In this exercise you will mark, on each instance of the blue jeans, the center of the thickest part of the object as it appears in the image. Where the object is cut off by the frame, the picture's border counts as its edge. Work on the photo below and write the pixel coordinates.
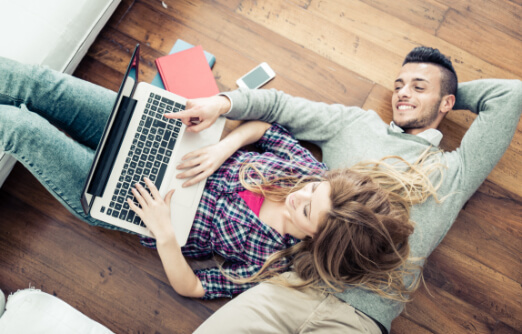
(52, 123)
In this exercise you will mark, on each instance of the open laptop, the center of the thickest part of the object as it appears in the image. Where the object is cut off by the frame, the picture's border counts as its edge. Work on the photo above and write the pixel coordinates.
(137, 142)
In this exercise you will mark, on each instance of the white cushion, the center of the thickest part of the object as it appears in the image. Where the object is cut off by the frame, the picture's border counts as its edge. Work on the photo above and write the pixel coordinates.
(32, 311)
(56, 33)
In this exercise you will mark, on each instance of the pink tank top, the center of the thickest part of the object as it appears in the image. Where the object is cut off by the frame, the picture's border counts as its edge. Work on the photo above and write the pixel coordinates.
(254, 201)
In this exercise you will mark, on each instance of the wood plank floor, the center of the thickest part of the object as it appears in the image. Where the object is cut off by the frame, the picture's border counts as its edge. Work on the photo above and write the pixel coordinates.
(336, 51)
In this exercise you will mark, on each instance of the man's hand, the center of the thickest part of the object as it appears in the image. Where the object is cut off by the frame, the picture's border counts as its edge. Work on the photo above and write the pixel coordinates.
(201, 113)
(154, 211)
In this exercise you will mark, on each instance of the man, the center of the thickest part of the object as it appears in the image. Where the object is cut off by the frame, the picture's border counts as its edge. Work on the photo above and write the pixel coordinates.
(425, 91)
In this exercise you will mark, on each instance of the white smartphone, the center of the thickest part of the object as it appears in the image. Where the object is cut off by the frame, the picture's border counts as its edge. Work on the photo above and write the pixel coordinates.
(260, 75)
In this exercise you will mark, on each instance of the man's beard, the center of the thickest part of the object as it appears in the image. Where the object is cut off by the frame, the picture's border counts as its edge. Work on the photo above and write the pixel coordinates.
(422, 121)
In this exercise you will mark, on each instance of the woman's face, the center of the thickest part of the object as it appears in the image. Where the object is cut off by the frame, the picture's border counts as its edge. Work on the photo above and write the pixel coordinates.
(306, 206)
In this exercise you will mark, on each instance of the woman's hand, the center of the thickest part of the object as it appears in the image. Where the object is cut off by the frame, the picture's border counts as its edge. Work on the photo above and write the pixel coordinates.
(203, 162)
(154, 211)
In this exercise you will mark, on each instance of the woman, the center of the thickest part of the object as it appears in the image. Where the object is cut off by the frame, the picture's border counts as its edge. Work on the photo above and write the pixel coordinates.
(347, 226)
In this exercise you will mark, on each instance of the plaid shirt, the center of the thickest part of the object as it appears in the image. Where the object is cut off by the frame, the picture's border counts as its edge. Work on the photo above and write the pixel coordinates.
(225, 225)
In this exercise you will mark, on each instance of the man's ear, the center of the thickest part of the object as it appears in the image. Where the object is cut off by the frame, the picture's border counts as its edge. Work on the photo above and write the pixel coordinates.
(447, 103)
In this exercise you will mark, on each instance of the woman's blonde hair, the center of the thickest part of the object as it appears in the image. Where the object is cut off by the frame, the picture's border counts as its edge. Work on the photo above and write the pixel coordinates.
(363, 239)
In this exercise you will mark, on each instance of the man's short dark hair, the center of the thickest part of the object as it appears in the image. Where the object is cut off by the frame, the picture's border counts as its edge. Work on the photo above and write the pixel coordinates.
(424, 54)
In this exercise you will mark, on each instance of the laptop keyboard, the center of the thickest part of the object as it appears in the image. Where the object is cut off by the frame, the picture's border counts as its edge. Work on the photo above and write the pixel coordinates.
(148, 156)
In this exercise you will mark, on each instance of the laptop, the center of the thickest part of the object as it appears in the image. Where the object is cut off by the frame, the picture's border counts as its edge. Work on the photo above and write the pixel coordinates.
(137, 142)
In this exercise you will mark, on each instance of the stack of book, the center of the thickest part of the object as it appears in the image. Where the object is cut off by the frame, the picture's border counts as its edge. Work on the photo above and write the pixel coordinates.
(187, 71)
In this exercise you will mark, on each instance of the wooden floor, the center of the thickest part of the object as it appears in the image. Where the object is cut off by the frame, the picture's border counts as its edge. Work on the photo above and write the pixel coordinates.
(336, 51)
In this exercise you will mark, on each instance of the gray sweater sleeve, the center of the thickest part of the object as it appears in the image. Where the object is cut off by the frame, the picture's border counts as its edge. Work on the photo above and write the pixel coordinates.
(498, 104)
(305, 119)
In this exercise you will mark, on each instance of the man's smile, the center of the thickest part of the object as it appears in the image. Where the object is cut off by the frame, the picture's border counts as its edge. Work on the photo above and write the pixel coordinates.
(405, 107)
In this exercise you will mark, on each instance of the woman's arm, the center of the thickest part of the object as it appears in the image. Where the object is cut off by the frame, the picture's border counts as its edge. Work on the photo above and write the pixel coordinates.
(155, 213)
(179, 273)
(205, 161)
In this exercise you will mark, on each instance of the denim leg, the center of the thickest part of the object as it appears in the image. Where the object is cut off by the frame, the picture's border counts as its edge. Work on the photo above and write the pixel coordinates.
(60, 163)
(79, 108)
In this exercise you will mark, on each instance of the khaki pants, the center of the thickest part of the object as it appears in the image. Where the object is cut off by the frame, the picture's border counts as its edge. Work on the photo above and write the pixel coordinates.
(270, 308)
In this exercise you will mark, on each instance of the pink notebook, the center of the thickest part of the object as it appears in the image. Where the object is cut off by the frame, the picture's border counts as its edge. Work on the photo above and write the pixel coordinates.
(187, 73)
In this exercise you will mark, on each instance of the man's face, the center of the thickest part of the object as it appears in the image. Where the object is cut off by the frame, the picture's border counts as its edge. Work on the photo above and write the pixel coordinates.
(416, 98)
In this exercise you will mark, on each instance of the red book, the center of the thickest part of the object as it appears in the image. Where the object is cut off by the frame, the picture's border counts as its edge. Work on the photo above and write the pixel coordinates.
(187, 73)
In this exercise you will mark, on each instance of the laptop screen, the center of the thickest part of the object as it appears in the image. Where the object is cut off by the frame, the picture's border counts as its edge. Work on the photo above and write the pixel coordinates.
(110, 142)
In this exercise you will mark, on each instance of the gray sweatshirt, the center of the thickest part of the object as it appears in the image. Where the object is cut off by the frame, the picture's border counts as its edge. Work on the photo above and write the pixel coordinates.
(347, 135)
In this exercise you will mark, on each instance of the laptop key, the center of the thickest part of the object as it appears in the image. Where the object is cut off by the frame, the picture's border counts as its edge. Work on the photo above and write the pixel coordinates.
(161, 175)
(130, 216)
(137, 220)
(171, 143)
(148, 122)
(167, 135)
(167, 101)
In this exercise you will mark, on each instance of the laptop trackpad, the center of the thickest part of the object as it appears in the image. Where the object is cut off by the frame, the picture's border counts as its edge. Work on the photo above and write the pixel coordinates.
(185, 196)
